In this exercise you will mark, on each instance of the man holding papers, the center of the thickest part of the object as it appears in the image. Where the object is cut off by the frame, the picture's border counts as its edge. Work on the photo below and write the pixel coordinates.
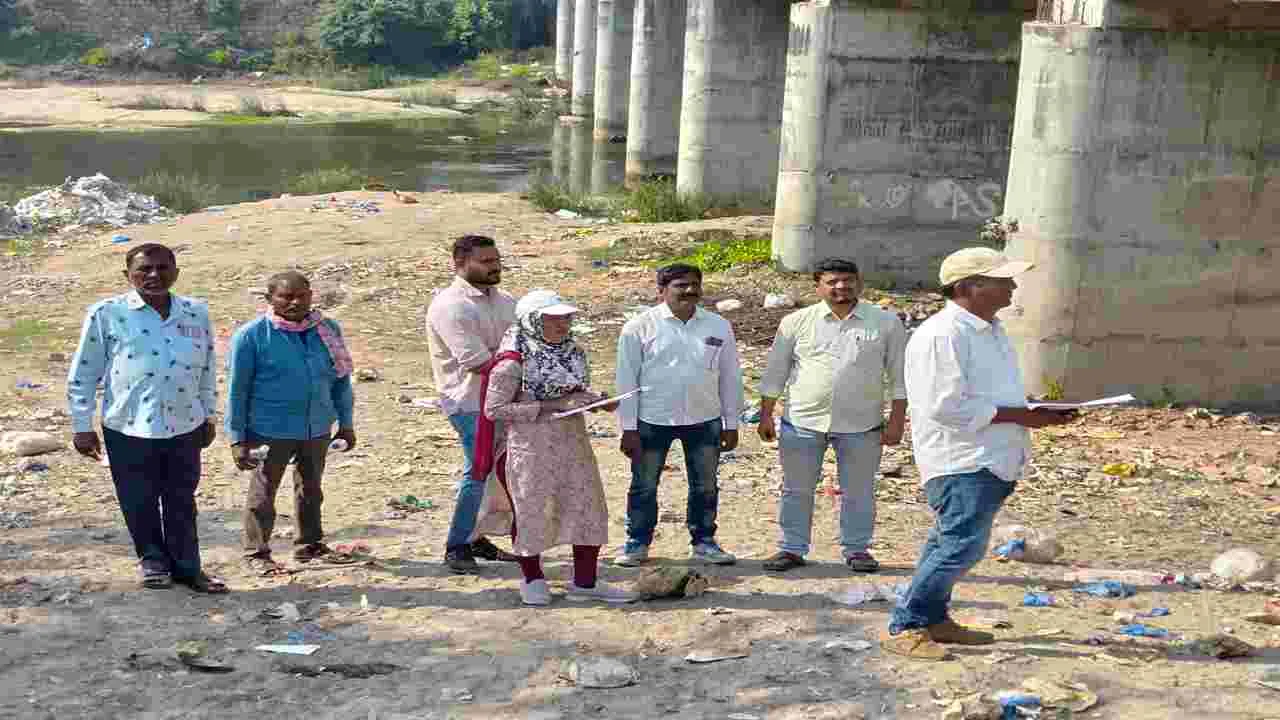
(688, 358)
(969, 429)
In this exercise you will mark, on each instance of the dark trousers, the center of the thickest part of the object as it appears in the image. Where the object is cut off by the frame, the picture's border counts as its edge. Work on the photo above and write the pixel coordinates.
(701, 445)
(260, 505)
(156, 483)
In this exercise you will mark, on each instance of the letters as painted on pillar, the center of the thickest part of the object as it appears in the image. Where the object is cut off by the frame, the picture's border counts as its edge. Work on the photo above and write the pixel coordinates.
(942, 200)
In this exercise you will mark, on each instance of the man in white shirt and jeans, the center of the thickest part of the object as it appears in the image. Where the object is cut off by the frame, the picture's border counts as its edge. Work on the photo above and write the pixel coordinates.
(832, 359)
(686, 358)
(970, 431)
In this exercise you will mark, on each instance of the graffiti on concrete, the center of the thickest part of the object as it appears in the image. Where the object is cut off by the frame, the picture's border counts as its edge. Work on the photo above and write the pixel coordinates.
(944, 199)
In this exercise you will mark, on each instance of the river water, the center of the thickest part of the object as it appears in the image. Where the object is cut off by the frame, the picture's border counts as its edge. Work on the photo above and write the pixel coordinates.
(255, 161)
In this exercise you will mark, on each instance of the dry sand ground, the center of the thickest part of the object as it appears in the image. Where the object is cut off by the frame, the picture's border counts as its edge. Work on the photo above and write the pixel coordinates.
(100, 106)
(79, 640)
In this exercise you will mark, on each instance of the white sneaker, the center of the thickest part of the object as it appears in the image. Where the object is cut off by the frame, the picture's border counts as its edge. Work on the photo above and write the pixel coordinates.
(631, 555)
(603, 592)
(535, 593)
(712, 554)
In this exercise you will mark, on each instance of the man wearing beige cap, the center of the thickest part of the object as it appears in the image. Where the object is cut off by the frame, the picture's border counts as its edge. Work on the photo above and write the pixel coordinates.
(969, 430)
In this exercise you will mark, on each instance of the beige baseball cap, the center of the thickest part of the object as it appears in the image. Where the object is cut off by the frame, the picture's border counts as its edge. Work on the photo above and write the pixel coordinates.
(979, 261)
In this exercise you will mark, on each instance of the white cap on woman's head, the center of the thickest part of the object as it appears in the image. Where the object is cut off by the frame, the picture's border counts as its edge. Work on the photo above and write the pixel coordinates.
(547, 302)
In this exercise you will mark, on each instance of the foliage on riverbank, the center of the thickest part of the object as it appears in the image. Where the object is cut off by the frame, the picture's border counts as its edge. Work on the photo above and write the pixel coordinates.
(652, 201)
(180, 193)
(327, 180)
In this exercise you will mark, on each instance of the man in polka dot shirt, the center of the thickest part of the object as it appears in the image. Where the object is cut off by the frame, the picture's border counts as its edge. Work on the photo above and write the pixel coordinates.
(152, 352)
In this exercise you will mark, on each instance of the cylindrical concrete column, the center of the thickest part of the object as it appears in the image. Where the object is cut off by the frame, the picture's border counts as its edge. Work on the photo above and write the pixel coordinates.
(613, 66)
(564, 42)
(657, 74)
(731, 109)
(582, 101)
(1149, 213)
(579, 153)
(560, 152)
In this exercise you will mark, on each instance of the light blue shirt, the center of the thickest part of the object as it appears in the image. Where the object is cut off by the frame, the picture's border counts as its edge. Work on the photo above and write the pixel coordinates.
(157, 373)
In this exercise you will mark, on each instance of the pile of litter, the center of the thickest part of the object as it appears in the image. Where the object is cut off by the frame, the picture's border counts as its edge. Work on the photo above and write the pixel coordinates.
(10, 224)
(95, 200)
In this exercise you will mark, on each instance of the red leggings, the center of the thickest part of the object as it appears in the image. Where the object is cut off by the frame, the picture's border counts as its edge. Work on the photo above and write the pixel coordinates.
(584, 566)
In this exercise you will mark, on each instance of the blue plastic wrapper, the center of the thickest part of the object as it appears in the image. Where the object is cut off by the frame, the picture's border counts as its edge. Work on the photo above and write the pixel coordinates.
(751, 414)
(1011, 700)
(1108, 589)
(1034, 599)
(1140, 630)
(1157, 612)
(120, 239)
(1013, 548)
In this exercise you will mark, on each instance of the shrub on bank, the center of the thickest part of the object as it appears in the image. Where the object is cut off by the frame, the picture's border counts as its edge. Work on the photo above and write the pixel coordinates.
(179, 193)
(327, 180)
(659, 201)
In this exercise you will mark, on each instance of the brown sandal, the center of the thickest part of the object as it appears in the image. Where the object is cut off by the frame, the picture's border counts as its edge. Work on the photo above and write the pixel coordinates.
(264, 566)
(203, 583)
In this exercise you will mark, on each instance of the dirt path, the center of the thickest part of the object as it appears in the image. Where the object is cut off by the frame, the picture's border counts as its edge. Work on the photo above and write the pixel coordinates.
(77, 640)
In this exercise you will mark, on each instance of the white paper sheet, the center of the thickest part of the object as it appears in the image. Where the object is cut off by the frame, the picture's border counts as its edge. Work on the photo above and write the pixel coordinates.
(289, 649)
(1101, 402)
(599, 403)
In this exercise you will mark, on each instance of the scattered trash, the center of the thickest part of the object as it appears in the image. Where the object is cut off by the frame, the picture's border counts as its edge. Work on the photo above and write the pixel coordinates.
(358, 671)
(1120, 469)
(289, 649)
(260, 453)
(1076, 697)
(339, 445)
(601, 672)
(1107, 589)
(863, 594)
(774, 300)
(11, 225)
(27, 385)
(92, 200)
(566, 214)
(1019, 542)
(192, 654)
(456, 695)
(850, 645)
(308, 635)
(410, 503)
(1270, 679)
(1240, 565)
(1141, 630)
(728, 305)
(13, 520)
(751, 414)
(1132, 577)
(671, 582)
(1037, 599)
(27, 444)
(1220, 646)
(289, 612)
(368, 375)
(975, 706)
(702, 656)
(120, 239)
(428, 403)
(1156, 612)
(35, 467)
(1011, 700)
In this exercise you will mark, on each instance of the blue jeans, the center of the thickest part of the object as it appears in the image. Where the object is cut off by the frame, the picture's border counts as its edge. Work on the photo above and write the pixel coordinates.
(156, 483)
(470, 489)
(965, 507)
(701, 444)
(857, 459)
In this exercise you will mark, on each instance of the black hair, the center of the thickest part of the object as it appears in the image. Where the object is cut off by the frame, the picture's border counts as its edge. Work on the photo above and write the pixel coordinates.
(834, 265)
(676, 270)
(467, 244)
(292, 277)
(147, 249)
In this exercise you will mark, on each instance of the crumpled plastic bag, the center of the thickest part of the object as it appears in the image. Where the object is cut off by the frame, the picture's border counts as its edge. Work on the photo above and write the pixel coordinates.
(11, 225)
(1019, 542)
(671, 582)
(1241, 565)
(29, 443)
(92, 200)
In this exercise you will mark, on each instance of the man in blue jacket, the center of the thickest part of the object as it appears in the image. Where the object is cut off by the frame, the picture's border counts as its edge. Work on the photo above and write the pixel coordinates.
(289, 380)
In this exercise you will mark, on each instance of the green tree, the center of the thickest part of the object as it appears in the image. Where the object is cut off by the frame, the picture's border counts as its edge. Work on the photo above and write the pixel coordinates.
(224, 15)
(389, 32)
(480, 25)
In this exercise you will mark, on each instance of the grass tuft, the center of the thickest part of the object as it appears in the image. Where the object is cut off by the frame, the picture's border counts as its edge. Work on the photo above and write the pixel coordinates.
(658, 201)
(552, 196)
(327, 180)
(427, 96)
(254, 106)
(26, 334)
(180, 193)
(718, 256)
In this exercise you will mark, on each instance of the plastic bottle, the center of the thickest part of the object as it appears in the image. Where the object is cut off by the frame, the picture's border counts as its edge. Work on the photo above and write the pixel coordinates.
(260, 452)
(338, 445)
(1034, 599)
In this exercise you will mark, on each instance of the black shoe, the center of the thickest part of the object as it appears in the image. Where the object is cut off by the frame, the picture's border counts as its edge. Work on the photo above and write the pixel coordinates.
(460, 560)
(486, 550)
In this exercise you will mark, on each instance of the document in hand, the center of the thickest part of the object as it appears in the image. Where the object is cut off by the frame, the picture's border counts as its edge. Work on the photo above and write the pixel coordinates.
(598, 403)
(1101, 402)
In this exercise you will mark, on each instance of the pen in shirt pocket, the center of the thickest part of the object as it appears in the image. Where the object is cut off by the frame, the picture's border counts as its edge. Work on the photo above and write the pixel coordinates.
(713, 351)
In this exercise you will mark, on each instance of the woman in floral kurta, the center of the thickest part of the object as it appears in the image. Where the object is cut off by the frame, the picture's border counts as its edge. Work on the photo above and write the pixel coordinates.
(551, 471)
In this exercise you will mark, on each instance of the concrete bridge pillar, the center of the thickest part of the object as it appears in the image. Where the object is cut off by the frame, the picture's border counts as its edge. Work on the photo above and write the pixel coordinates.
(613, 66)
(582, 100)
(895, 132)
(657, 70)
(1145, 181)
(564, 42)
(731, 106)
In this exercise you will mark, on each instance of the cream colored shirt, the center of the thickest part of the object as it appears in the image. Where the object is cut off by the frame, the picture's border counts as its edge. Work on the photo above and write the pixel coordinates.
(960, 369)
(464, 327)
(691, 370)
(834, 371)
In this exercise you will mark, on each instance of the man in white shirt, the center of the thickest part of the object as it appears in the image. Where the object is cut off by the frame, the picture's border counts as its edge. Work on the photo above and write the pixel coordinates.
(686, 359)
(832, 359)
(465, 324)
(969, 429)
